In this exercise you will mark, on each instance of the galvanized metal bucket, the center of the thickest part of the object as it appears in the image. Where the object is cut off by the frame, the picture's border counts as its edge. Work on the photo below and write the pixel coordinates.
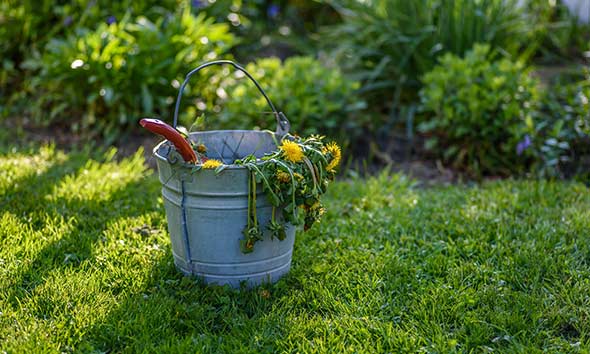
(207, 212)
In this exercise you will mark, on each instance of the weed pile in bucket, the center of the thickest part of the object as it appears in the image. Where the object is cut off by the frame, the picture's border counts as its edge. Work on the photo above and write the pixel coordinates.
(294, 178)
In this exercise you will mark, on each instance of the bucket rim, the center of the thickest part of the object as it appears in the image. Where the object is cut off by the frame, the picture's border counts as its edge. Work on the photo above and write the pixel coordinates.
(233, 130)
(186, 165)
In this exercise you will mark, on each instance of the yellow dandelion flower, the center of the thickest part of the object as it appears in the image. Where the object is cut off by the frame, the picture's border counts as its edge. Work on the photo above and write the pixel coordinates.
(334, 149)
(212, 163)
(283, 176)
(292, 151)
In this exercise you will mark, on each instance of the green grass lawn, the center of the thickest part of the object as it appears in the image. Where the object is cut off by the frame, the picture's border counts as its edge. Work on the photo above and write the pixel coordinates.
(86, 266)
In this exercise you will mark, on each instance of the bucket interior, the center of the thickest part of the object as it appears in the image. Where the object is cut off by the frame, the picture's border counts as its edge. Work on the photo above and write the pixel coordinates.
(229, 145)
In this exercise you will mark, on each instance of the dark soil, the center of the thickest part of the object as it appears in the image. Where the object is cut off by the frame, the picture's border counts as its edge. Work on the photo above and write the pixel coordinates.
(20, 134)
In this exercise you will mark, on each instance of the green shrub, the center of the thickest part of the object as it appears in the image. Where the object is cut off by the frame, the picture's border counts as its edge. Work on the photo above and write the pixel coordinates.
(281, 28)
(483, 108)
(27, 25)
(391, 44)
(563, 129)
(111, 76)
(315, 99)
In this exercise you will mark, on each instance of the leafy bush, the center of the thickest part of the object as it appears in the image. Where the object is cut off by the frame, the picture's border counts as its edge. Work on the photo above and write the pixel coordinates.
(316, 99)
(391, 44)
(563, 144)
(112, 75)
(27, 25)
(483, 108)
(280, 28)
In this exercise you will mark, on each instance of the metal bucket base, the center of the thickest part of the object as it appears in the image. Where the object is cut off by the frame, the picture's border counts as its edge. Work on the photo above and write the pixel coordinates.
(235, 281)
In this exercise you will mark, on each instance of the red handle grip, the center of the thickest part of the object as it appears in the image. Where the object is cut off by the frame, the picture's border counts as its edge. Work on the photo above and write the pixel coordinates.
(180, 143)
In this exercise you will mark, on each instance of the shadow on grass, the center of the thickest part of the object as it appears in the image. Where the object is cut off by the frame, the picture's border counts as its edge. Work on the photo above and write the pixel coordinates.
(87, 220)
(178, 313)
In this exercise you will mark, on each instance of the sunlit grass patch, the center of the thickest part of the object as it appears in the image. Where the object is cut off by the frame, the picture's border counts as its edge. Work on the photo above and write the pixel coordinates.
(15, 166)
(97, 181)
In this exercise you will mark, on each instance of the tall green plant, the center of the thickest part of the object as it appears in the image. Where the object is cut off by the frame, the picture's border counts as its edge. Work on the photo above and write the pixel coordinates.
(279, 27)
(558, 33)
(390, 44)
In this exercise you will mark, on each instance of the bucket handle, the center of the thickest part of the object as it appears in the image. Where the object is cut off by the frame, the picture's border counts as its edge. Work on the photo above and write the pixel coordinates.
(283, 124)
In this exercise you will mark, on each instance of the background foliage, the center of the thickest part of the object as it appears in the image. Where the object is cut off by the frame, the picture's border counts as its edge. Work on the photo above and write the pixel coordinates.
(563, 128)
(558, 35)
(124, 70)
(27, 26)
(272, 28)
(391, 44)
(482, 108)
(315, 98)
(356, 70)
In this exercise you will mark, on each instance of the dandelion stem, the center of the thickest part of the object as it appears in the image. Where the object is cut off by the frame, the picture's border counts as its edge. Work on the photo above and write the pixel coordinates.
(254, 201)
(250, 201)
